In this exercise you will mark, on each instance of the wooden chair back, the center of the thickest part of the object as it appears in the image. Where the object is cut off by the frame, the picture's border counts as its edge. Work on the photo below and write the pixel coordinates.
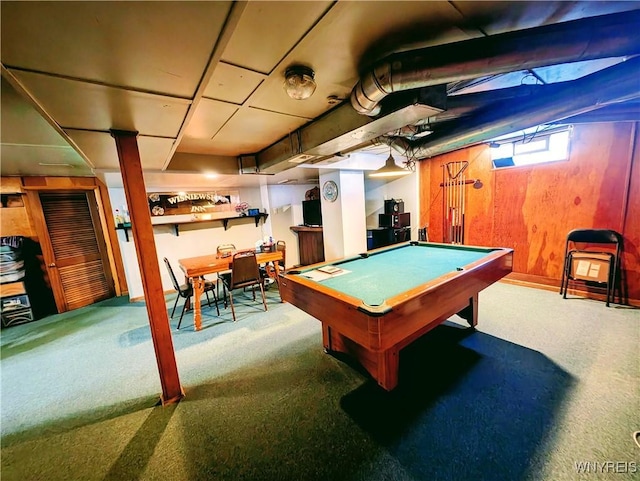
(244, 270)
(281, 246)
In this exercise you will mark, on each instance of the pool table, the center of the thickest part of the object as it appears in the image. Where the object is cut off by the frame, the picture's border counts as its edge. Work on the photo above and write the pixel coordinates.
(378, 302)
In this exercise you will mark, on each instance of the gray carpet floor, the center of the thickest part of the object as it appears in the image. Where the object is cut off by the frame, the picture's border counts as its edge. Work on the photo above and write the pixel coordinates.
(544, 389)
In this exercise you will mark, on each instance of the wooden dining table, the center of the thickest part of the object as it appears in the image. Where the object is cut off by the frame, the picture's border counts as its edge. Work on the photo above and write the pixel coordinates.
(196, 267)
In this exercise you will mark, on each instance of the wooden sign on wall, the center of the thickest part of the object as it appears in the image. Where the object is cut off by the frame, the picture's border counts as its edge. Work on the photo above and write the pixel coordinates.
(163, 204)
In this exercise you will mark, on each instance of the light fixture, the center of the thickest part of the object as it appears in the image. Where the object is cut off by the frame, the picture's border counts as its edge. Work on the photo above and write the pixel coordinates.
(390, 169)
(55, 164)
(299, 83)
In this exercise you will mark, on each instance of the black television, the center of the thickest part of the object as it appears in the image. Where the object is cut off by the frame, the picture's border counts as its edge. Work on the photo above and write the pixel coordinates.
(312, 213)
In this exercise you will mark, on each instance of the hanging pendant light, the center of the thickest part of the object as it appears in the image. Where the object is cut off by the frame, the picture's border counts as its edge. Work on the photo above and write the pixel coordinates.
(390, 169)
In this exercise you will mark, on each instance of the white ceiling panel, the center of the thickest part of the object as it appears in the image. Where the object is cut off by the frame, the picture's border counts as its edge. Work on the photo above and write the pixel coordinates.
(232, 84)
(251, 129)
(271, 96)
(21, 123)
(207, 120)
(82, 105)
(54, 160)
(101, 149)
(153, 46)
(336, 57)
(372, 30)
(268, 31)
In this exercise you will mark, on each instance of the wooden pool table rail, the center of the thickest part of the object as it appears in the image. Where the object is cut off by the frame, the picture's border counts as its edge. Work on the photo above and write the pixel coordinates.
(374, 340)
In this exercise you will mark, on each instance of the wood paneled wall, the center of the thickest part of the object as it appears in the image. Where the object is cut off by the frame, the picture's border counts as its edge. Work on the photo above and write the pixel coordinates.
(20, 220)
(531, 209)
(15, 220)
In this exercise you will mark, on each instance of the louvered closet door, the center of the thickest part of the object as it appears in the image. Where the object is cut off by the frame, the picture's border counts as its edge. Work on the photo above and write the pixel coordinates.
(77, 243)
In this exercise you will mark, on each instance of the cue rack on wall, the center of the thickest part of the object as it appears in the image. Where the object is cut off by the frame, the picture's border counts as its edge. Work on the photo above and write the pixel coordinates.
(453, 201)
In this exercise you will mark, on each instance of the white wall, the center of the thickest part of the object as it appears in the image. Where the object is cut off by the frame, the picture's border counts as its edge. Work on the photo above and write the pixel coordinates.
(282, 203)
(405, 188)
(286, 211)
(343, 221)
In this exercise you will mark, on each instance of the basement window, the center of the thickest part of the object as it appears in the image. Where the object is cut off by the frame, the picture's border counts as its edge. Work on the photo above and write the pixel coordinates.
(537, 147)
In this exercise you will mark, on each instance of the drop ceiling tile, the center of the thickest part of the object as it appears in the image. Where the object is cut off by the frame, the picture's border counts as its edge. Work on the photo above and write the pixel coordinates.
(82, 105)
(250, 130)
(161, 47)
(101, 150)
(267, 31)
(270, 95)
(191, 145)
(209, 116)
(232, 84)
(53, 160)
(338, 59)
(21, 123)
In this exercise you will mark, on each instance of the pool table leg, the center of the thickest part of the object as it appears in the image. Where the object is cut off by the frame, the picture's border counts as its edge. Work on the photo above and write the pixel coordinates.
(382, 365)
(470, 313)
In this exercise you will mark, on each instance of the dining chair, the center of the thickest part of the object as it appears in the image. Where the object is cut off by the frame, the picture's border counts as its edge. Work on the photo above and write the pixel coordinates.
(281, 246)
(270, 271)
(224, 250)
(244, 273)
(185, 291)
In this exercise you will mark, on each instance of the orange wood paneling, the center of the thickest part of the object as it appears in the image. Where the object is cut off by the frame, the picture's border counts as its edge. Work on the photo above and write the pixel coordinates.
(531, 209)
(59, 183)
(631, 253)
(109, 228)
(479, 205)
(10, 185)
(15, 221)
(424, 182)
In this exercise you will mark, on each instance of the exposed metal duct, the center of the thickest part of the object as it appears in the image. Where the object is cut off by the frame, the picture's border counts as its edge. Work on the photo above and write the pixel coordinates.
(342, 128)
(586, 39)
(551, 104)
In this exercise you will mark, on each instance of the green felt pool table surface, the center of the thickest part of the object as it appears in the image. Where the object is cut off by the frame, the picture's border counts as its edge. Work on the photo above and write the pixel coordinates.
(390, 272)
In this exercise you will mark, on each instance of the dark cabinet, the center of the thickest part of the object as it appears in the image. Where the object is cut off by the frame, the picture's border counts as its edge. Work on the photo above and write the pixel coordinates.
(310, 244)
(393, 226)
(384, 236)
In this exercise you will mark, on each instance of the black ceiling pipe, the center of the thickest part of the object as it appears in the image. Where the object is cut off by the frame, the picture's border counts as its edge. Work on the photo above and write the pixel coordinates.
(585, 39)
(555, 102)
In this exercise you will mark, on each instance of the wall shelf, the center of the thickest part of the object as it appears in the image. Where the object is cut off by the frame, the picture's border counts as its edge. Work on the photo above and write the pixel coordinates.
(176, 225)
(125, 227)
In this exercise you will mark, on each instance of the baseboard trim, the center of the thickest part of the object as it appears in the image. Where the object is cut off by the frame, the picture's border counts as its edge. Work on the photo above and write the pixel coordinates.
(550, 284)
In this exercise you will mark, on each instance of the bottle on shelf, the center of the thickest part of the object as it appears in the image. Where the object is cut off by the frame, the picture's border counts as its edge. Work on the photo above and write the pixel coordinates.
(119, 218)
(125, 215)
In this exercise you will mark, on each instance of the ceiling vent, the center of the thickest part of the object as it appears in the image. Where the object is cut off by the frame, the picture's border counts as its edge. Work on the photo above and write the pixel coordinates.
(300, 158)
